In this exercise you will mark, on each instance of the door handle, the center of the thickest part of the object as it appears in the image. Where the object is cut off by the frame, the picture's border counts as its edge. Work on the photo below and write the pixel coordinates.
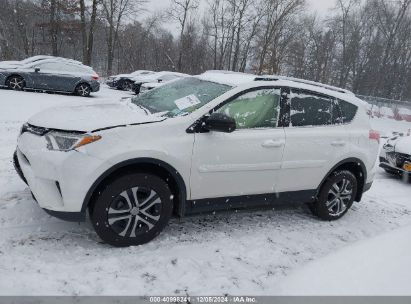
(338, 143)
(273, 143)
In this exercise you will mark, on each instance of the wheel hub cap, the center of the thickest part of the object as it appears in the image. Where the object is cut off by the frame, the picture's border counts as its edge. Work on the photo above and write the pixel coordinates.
(134, 211)
(339, 197)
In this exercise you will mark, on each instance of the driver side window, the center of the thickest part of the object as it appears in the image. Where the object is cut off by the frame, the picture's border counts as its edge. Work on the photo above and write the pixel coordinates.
(255, 109)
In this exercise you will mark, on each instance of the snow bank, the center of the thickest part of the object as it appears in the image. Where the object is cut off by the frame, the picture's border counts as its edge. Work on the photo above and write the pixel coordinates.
(380, 266)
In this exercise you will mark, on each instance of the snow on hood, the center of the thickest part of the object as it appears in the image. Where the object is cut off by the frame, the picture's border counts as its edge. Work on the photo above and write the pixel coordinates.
(87, 118)
(403, 145)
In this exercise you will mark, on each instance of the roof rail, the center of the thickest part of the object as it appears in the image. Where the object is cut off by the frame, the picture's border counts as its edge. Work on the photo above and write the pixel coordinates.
(313, 83)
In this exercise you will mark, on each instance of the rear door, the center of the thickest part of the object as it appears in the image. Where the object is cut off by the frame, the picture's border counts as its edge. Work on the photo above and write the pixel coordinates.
(246, 161)
(317, 140)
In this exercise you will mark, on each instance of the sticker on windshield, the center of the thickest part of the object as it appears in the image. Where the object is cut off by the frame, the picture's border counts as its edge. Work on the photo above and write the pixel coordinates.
(187, 102)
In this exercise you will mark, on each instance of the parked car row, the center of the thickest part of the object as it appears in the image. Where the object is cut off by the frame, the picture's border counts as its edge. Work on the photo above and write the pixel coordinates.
(50, 74)
(142, 81)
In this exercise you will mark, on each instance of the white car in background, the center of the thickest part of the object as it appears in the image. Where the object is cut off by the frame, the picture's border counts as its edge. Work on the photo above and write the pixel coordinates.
(143, 84)
(216, 141)
(395, 157)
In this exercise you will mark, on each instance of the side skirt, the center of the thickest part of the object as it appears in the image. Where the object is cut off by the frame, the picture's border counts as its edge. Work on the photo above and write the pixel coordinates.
(259, 201)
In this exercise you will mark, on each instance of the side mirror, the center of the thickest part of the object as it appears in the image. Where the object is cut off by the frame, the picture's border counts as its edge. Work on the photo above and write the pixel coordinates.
(219, 122)
(160, 80)
(37, 70)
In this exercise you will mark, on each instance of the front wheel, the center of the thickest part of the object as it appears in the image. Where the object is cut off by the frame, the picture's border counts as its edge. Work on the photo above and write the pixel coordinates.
(126, 85)
(83, 90)
(16, 83)
(132, 210)
(336, 196)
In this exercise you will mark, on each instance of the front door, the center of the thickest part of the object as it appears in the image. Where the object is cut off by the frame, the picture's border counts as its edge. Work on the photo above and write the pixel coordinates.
(246, 161)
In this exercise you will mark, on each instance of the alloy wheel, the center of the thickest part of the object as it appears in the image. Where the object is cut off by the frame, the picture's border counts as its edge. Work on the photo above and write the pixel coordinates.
(83, 90)
(339, 197)
(16, 83)
(134, 212)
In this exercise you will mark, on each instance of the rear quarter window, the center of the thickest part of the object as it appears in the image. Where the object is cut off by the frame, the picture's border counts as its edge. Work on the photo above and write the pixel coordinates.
(348, 111)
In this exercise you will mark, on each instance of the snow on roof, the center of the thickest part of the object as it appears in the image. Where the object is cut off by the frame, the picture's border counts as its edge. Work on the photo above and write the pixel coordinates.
(236, 79)
(304, 81)
(226, 77)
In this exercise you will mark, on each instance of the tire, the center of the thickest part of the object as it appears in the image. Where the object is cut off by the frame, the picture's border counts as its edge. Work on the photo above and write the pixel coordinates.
(16, 83)
(83, 90)
(120, 221)
(336, 196)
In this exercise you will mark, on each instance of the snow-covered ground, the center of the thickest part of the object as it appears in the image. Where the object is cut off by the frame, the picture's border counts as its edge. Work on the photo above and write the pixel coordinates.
(249, 252)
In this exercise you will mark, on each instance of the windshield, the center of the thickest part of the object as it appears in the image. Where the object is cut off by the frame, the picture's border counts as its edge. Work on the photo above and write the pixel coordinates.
(180, 97)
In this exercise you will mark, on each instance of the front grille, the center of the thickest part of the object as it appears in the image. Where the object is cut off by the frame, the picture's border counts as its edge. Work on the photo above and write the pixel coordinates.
(39, 131)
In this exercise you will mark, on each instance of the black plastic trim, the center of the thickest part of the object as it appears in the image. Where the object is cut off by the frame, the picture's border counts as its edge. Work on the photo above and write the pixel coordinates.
(343, 162)
(67, 216)
(249, 201)
(17, 167)
(367, 187)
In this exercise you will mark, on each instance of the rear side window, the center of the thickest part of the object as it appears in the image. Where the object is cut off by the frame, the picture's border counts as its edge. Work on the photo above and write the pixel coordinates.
(308, 109)
(348, 111)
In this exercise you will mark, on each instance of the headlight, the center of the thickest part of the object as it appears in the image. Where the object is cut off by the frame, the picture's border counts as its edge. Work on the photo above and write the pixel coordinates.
(60, 141)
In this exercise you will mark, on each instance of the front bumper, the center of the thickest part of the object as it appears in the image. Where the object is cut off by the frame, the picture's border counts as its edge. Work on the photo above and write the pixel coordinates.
(112, 83)
(95, 86)
(387, 165)
(59, 181)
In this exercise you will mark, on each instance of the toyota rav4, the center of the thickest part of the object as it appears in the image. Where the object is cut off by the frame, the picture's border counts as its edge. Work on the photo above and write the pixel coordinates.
(216, 141)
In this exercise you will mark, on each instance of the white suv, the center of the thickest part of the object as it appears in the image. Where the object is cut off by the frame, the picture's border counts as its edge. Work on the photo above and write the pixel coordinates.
(212, 142)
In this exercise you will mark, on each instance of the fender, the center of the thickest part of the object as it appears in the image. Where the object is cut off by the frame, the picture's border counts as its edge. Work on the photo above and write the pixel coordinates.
(343, 162)
(152, 161)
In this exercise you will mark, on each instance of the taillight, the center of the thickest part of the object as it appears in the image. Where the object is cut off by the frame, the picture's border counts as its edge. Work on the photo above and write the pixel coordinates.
(95, 77)
(375, 135)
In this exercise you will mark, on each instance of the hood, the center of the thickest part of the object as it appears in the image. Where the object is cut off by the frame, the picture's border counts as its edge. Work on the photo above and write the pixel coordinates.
(403, 145)
(88, 118)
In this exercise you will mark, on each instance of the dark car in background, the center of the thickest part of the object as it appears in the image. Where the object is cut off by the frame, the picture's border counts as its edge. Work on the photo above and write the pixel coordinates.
(50, 75)
(125, 82)
(155, 80)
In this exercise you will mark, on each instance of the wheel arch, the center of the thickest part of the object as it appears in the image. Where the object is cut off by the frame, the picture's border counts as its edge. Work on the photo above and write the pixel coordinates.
(14, 75)
(146, 165)
(354, 165)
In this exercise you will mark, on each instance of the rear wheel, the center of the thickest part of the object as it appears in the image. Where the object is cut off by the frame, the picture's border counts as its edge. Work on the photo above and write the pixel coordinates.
(83, 89)
(16, 83)
(132, 210)
(336, 196)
